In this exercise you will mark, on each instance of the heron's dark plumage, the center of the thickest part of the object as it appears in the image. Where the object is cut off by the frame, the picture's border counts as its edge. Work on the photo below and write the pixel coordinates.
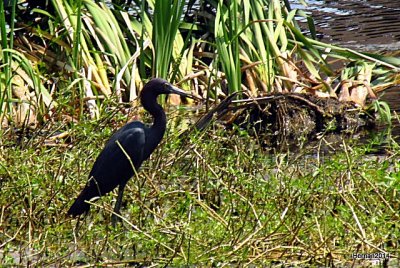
(126, 149)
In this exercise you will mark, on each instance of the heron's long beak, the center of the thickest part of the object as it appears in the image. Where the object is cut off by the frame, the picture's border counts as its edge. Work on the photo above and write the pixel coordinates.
(180, 92)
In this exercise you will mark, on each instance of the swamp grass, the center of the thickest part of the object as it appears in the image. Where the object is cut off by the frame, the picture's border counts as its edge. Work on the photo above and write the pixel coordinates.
(215, 198)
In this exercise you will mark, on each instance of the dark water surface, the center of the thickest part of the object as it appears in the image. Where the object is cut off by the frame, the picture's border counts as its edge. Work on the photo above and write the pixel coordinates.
(369, 25)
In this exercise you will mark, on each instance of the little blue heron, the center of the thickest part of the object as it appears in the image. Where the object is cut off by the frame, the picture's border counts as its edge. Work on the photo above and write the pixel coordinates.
(127, 148)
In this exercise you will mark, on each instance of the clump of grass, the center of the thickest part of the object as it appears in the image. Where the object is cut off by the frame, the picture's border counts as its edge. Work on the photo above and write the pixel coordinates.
(213, 198)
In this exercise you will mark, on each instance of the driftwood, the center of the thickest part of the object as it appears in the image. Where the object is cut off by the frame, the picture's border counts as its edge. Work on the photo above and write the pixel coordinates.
(282, 117)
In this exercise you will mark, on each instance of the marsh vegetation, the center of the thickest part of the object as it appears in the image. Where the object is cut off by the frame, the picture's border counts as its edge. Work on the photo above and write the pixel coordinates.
(70, 75)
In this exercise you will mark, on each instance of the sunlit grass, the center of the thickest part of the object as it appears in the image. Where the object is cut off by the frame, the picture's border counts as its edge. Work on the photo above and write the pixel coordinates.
(213, 198)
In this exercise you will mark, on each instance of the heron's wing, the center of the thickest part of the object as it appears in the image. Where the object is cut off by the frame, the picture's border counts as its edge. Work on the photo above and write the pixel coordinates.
(132, 142)
(117, 162)
(115, 165)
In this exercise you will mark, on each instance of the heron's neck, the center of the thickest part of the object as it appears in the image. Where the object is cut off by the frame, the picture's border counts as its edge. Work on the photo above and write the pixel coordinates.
(160, 120)
(149, 102)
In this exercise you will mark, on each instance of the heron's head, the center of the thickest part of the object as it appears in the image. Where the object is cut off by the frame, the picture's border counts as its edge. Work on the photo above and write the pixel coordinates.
(160, 86)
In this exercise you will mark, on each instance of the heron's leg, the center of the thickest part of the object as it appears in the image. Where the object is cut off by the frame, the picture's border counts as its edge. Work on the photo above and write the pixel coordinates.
(114, 218)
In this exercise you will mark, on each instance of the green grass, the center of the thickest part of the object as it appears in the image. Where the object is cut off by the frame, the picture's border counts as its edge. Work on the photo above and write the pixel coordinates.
(217, 198)
(214, 199)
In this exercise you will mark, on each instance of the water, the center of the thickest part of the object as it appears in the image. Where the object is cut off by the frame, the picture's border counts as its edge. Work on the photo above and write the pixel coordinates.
(369, 25)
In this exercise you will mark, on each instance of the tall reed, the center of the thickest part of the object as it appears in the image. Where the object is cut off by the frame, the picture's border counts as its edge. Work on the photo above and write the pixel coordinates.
(6, 42)
(166, 21)
(227, 43)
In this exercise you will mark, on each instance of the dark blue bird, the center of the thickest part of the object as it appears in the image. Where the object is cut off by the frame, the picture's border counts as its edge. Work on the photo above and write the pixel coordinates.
(130, 145)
